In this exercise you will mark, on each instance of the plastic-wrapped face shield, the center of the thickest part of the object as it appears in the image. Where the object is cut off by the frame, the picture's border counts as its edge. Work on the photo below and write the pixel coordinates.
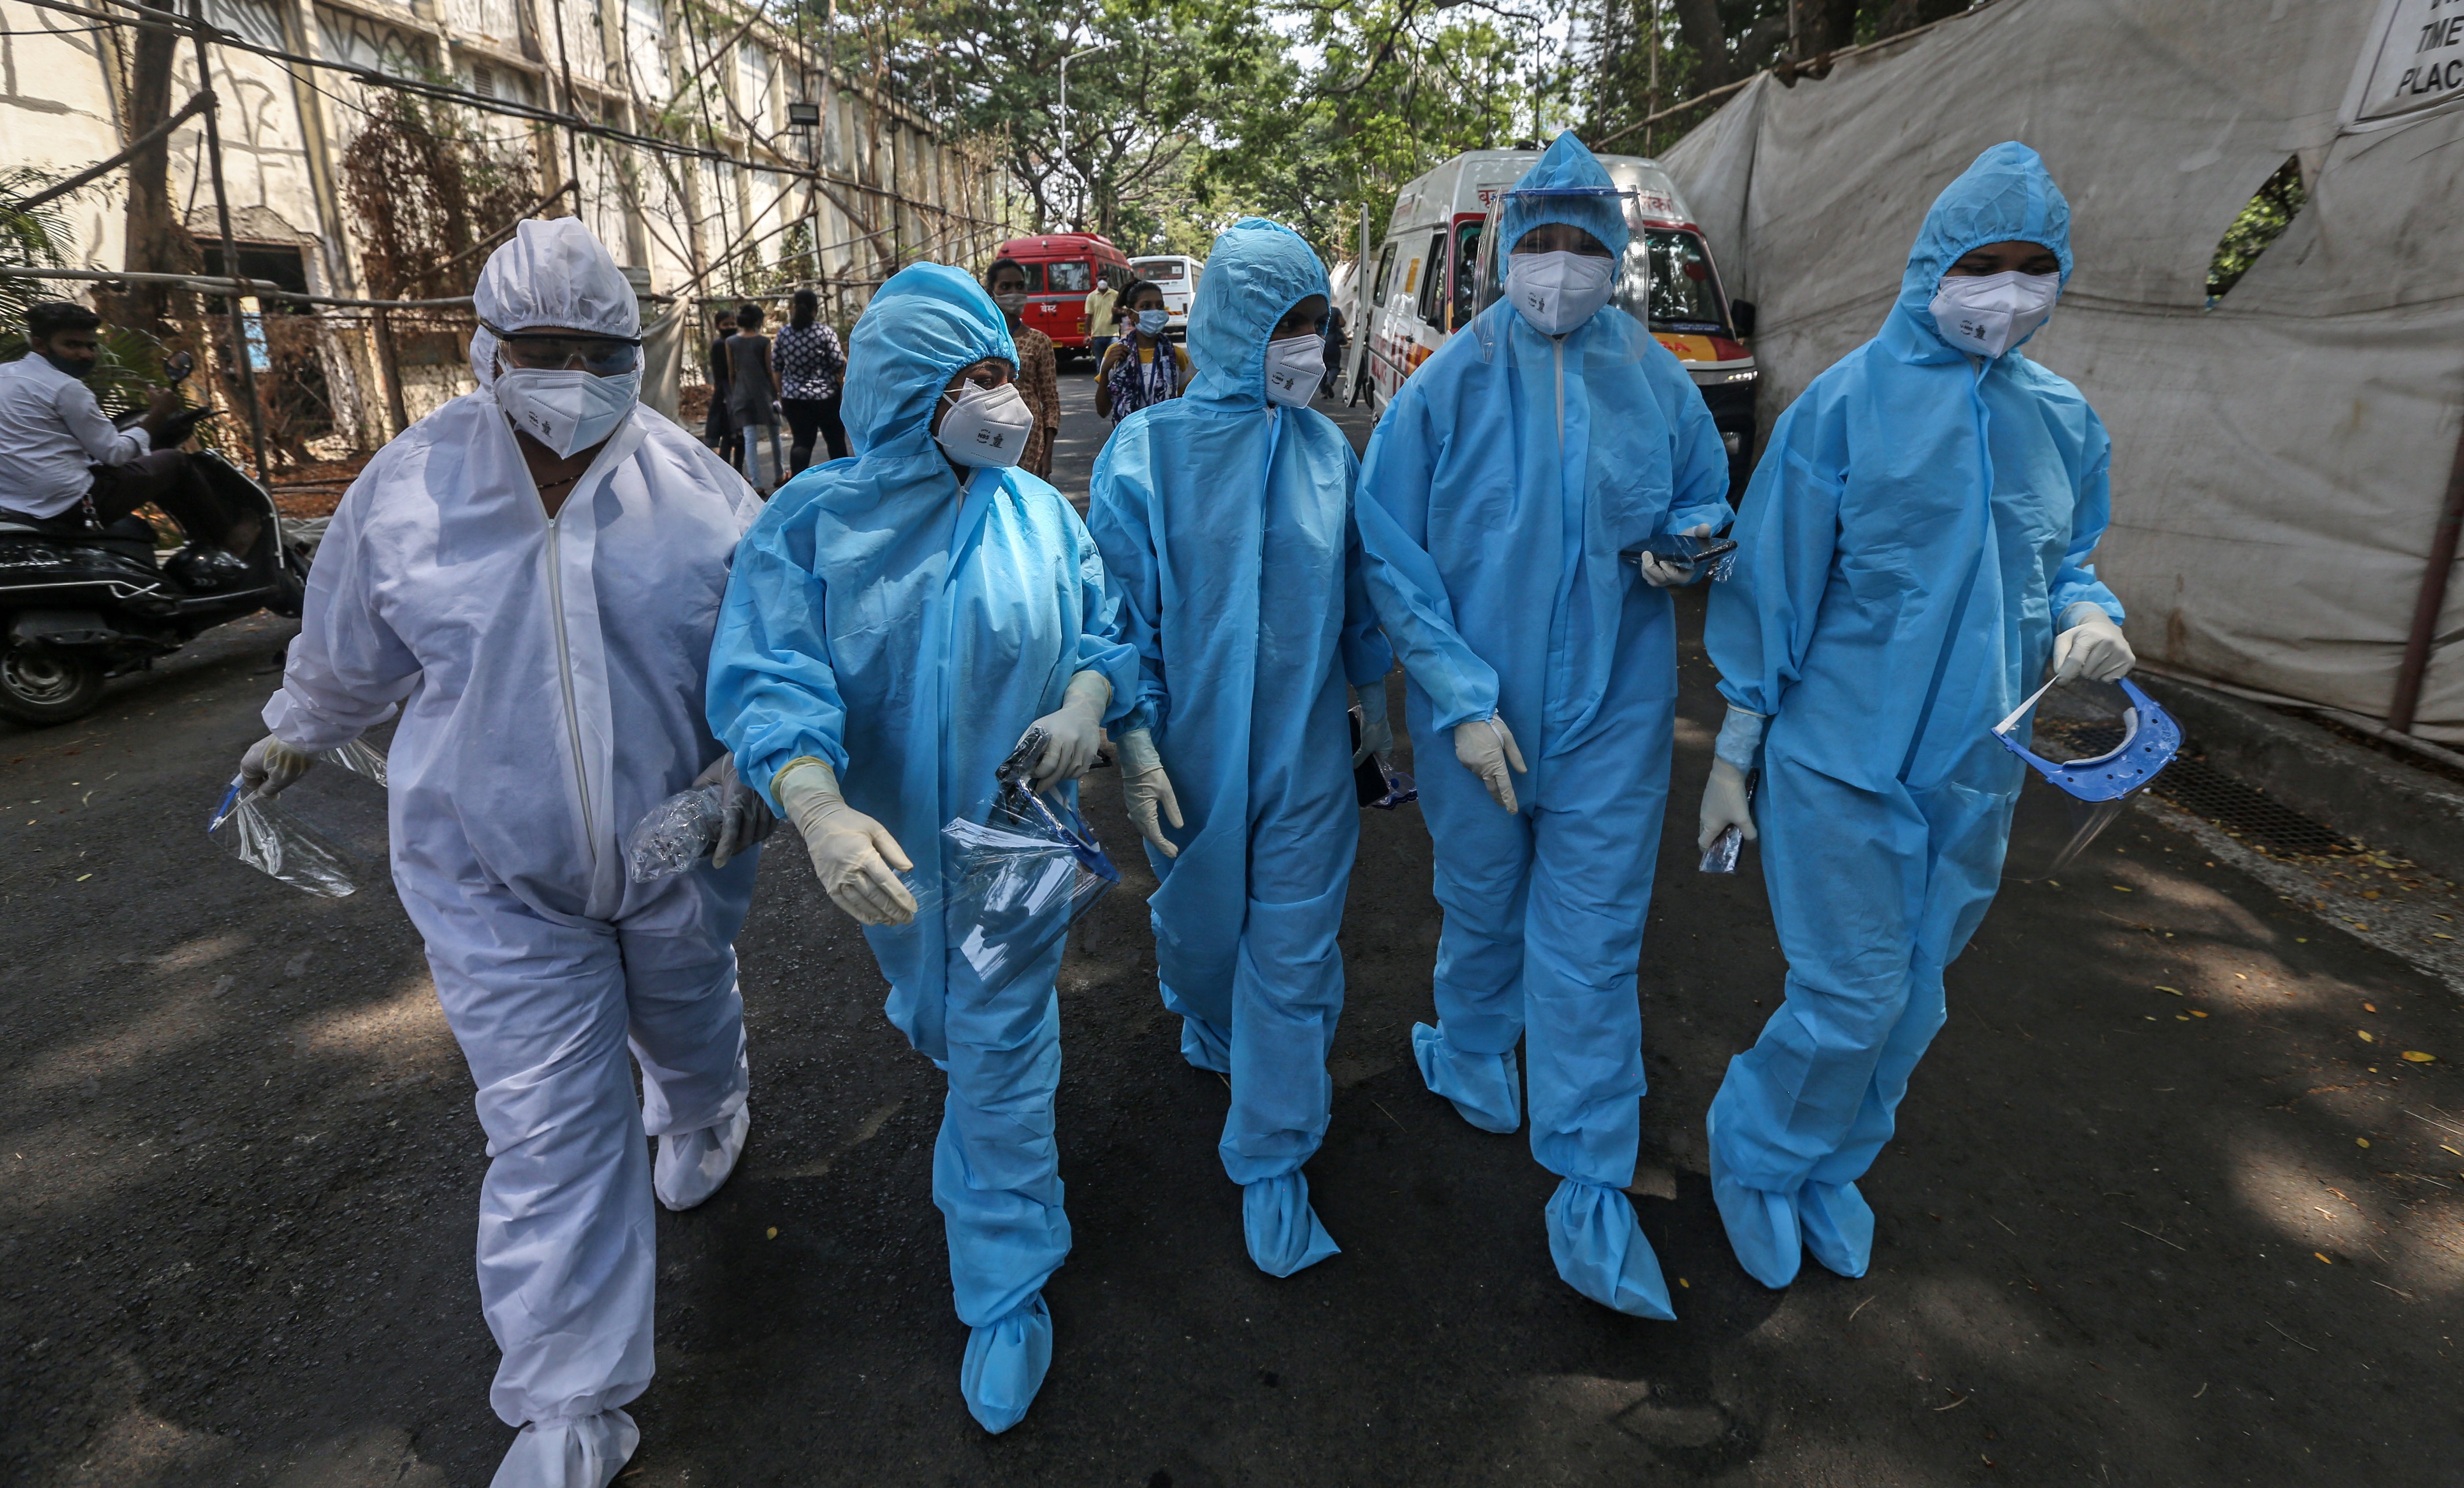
(2066, 804)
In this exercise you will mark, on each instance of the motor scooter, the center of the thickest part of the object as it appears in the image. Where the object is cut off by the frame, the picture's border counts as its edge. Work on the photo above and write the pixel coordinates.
(80, 608)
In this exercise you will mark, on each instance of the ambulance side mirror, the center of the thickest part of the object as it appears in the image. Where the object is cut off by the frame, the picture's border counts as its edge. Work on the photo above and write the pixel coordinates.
(1741, 314)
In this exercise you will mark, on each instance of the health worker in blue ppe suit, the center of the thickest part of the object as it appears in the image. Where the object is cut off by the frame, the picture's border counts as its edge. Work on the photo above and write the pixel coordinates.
(897, 621)
(1547, 438)
(1914, 549)
(1224, 517)
(531, 575)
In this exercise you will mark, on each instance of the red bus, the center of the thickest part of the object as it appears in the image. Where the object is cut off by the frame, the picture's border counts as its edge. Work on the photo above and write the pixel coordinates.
(1061, 268)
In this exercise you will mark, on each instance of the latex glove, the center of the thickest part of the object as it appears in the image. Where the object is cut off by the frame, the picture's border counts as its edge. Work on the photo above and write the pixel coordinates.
(1724, 805)
(747, 819)
(1377, 729)
(2092, 646)
(1485, 746)
(854, 856)
(1148, 790)
(271, 767)
(1668, 573)
(1072, 732)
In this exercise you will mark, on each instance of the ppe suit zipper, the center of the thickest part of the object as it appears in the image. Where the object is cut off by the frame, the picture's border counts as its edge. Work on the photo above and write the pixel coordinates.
(564, 678)
(1558, 348)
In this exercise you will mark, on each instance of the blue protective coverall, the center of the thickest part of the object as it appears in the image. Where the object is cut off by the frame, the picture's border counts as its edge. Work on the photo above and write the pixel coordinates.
(1500, 489)
(906, 628)
(1915, 525)
(1225, 525)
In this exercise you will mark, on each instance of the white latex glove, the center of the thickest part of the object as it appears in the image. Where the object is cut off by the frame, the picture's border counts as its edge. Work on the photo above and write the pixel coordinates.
(854, 856)
(2092, 646)
(1724, 805)
(1377, 729)
(1148, 790)
(271, 767)
(1668, 573)
(1485, 746)
(747, 820)
(1072, 732)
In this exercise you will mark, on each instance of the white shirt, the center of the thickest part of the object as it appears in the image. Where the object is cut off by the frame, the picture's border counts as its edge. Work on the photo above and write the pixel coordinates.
(51, 434)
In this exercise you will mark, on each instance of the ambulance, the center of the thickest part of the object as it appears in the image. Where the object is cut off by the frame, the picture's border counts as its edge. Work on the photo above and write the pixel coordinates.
(1432, 273)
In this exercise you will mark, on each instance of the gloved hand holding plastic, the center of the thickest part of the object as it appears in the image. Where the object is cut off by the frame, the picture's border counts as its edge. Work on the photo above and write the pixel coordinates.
(1072, 732)
(1016, 882)
(252, 826)
(2092, 646)
(715, 818)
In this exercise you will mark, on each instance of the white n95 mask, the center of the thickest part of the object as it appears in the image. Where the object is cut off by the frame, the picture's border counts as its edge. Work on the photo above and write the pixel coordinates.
(565, 409)
(988, 425)
(1295, 366)
(1558, 291)
(1987, 314)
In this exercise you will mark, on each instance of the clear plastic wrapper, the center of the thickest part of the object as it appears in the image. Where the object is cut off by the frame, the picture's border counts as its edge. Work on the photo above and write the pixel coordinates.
(1014, 884)
(323, 836)
(675, 834)
(1722, 855)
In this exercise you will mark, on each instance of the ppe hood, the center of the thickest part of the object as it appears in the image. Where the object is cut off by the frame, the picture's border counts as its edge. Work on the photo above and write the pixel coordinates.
(554, 271)
(1572, 186)
(2007, 194)
(1256, 272)
(921, 327)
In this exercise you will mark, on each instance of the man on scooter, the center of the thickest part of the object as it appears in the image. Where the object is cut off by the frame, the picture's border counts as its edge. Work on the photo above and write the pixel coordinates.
(64, 467)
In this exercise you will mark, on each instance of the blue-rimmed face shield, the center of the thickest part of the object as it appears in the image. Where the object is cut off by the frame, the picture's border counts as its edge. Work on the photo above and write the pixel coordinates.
(2070, 802)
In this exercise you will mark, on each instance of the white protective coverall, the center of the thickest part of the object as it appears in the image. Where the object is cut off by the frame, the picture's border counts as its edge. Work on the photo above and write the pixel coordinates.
(550, 674)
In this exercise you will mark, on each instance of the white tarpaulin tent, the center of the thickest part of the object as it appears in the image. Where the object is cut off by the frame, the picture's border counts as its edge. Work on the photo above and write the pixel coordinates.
(2282, 459)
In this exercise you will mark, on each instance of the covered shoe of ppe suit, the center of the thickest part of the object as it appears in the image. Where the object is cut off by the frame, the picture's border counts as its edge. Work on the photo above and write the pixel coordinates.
(549, 675)
(1503, 482)
(905, 626)
(1917, 522)
(1226, 524)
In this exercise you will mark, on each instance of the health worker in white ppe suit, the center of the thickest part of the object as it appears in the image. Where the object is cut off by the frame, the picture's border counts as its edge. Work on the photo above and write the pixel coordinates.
(531, 574)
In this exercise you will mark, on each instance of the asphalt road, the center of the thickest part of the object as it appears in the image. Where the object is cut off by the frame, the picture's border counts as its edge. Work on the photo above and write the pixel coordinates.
(2167, 1207)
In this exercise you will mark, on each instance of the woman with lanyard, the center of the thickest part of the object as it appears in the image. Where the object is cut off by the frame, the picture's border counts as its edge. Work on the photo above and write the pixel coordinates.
(1141, 368)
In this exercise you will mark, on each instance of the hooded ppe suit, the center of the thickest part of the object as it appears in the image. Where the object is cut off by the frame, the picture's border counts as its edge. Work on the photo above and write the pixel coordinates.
(1226, 524)
(1916, 523)
(906, 628)
(1501, 486)
(514, 643)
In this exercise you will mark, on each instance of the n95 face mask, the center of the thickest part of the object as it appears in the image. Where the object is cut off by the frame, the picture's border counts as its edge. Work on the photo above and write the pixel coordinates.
(1295, 366)
(566, 410)
(1987, 314)
(1558, 291)
(988, 425)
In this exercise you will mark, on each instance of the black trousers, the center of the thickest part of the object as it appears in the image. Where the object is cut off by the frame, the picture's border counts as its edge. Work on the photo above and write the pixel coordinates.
(164, 478)
(806, 417)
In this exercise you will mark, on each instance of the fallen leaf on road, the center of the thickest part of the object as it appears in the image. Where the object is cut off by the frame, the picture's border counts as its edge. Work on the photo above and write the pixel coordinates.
(2419, 1058)
(2322, 1258)
(773, 1234)
(2175, 990)
(2195, 1013)
(2361, 1141)
(2367, 1036)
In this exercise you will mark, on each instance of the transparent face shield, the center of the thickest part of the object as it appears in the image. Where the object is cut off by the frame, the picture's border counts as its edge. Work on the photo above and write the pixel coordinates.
(2095, 745)
(1631, 286)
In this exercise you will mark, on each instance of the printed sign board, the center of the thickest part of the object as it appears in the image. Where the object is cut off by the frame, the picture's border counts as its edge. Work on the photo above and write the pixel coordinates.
(2419, 60)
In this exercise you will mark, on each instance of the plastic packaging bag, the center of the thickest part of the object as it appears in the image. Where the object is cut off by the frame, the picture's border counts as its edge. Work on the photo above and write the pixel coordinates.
(280, 845)
(1377, 784)
(1016, 882)
(1722, 855)
(675, 834)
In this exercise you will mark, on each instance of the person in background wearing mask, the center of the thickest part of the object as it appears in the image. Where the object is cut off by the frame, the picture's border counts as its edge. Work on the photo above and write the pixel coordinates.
(716, 429)
(1038, 377)
(810, 365)
(529, 574)
(1225, 519)
(63, 465)
(753, 396)
(1142, 368)
(1865, 690)
(1103, 316)
(895, 626)
(1502, 485)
